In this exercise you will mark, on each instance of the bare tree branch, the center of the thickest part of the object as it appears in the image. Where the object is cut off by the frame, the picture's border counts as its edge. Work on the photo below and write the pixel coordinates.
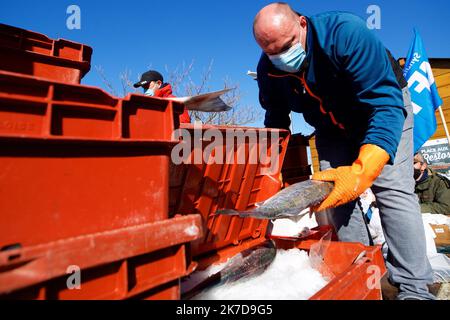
(105, 80)
(184, 85)
(127, 84)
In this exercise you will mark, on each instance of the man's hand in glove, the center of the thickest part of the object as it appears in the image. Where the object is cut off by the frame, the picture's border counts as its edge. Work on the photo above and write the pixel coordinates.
(351, 181)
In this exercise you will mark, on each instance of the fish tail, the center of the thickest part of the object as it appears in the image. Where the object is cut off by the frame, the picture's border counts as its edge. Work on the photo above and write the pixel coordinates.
(227, 212)
(243, 214)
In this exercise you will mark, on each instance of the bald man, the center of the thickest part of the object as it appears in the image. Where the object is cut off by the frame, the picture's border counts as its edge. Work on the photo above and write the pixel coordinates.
(334, 71)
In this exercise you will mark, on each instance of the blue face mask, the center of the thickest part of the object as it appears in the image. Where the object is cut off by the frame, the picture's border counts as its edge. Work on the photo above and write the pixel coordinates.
(150, 92)
(290, 60)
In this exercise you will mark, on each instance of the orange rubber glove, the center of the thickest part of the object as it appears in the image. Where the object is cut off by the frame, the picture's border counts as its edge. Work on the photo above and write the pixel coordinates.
(351, 181)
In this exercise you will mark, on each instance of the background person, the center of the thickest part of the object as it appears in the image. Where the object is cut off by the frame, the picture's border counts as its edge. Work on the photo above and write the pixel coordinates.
(432, 189)
(152, 83)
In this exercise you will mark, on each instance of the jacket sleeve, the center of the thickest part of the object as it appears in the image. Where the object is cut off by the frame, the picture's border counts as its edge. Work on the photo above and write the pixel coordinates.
(441, 201)
(184, 117)
(272, 98)
(365, 63)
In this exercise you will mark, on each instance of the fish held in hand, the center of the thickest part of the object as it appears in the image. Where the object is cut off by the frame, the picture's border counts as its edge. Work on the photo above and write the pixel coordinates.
(288, 203)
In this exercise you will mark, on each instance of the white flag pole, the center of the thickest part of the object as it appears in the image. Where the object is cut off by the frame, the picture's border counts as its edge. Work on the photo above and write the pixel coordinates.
(444, 123)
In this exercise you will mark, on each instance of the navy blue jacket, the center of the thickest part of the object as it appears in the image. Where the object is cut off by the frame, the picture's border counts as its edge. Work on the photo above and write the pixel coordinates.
(347, 84)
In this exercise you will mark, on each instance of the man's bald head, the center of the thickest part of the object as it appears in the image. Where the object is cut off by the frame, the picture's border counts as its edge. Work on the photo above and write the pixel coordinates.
(276, 27)
(274, 16)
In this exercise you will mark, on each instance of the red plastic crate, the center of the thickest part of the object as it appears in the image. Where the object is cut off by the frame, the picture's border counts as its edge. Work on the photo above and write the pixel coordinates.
(291, 176)
(295, 165)
(357, 269)
(296, 153)
(35, 54)
(140, 262)
(36, 108)
(78, 161)
(205, 188)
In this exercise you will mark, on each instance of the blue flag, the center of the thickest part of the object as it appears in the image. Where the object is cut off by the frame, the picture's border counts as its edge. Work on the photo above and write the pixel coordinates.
(424, 93)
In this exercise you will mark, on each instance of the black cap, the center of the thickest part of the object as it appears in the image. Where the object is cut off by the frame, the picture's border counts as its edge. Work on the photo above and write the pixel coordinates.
(148, 77)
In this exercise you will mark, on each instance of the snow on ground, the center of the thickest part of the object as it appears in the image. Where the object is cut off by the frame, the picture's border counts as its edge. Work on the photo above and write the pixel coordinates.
(432, 218)
(289, 277)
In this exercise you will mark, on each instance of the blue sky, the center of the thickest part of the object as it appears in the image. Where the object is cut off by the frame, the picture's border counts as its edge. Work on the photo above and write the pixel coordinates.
(137, 34)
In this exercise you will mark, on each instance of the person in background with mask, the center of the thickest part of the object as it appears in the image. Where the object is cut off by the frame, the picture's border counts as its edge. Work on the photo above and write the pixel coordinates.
(432, 189)
(153, 84)
(331, 68)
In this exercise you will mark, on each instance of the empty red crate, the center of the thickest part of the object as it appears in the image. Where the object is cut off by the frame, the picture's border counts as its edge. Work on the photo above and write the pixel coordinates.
(144, 262)
(204, 188)
(291, 176)
(295, 165)
(36, 108)
(296, 153)
(78, 161)
(35, 54)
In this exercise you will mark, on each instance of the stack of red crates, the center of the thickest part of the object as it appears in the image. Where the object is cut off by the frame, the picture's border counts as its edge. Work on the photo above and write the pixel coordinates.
(84, 181)
(206, 187)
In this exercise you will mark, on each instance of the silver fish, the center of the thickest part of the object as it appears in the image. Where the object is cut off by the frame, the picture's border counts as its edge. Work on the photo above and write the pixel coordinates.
(288, 203)
(246, 264)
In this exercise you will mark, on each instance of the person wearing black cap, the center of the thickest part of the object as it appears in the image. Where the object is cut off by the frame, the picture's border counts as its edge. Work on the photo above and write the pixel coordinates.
(153, 84)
